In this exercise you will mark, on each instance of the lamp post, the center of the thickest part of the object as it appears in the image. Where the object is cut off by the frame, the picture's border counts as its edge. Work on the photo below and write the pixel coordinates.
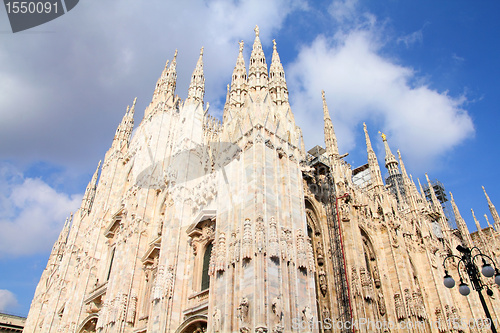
(469, 266)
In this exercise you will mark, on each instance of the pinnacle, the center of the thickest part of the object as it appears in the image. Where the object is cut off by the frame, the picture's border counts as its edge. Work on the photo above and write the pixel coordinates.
(257, 75)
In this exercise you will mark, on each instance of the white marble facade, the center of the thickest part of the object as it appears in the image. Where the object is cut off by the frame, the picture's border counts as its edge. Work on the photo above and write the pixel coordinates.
(197, 225)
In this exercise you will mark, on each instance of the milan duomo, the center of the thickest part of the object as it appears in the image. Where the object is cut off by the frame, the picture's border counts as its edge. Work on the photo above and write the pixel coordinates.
(197, 225)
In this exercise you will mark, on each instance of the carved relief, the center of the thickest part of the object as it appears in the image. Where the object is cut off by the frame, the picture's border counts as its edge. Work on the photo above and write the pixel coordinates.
(310, 255)
(441, 323)
(243, 314)
(376, 276)
(322, 282)
(400, 308)
(381, 304)
(247, 251)
(307, 315)
(274, 247)
(302, 260)
(320, 256)
(260, 236)
(366, 283)
(285, 241)
(355, 283)
(277, 308)
(418, 303)
(217, 321)
(158, 283)
(169, 281)
(132, 309)
(221, 253)
(236, 247)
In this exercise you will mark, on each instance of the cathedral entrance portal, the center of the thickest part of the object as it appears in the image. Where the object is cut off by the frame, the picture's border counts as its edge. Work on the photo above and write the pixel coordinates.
(88, 325)
(195, 324)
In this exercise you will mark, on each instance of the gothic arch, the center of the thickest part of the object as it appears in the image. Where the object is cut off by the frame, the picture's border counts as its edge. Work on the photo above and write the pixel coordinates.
(89, 324)
(315, 236)
(194, 324)
(312, 216)
(368, 242)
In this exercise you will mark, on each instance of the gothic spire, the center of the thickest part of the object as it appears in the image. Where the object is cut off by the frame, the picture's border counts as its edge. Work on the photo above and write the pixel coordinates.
(376, 177)
(330, 138)
(225, 111)
(488, 221)
(493, 211)
(171, 77)
(478, 226)
(124, 129)
(129, 122)
(390, 160)
(434, 200)
(403, 168)
(196, 89)
(239, 84)
(462, 227)
(257, 73)
(277, 82)
(165, 86)
(88, 197)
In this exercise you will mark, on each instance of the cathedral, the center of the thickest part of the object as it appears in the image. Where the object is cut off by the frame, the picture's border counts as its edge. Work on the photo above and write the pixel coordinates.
(195, 224)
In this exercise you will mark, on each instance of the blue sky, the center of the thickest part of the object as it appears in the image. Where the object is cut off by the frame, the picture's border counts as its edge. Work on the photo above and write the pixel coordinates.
(424, 72)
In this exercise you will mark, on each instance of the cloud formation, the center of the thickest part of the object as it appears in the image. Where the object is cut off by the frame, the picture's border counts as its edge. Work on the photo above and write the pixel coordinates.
(30, 208)
(8, 301)
(66, 84)
(362, 84)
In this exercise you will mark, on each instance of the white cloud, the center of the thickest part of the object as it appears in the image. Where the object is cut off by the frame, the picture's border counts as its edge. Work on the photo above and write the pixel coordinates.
(7, 300)
(361, 84)
(94, 60)
(30, 209)
(410, 39)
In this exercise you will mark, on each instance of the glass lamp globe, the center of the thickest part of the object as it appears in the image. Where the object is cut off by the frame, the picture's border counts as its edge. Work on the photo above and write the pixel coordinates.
(449, 282)
(497, 279)
(487, 270)
(464, 289)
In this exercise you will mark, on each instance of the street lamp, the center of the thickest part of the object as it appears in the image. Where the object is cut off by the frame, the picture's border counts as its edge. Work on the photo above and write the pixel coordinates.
(469, 265)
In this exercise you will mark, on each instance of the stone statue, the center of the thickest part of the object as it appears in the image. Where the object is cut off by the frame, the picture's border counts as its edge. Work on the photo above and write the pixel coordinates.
(217, 321)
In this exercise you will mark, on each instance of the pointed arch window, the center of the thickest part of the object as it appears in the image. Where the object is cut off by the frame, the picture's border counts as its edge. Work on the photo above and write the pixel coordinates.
(205, 278)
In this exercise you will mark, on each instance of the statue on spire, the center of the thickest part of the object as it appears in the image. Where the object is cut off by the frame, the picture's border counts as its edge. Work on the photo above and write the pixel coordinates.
(256, 31)
(241, 45)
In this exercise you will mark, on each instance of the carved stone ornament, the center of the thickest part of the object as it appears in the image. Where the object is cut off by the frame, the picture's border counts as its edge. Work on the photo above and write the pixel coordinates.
(366, 283)
(274, 247)
(277, 308)
(322, 282)
(221, 253)
(247, 251)
(260, 236)
(217, 321)
(418, 303)
(440, 322)
(381, 304)
(132, 309)
(243, 313)
(302, 261)
(310, 255)
(400, 308)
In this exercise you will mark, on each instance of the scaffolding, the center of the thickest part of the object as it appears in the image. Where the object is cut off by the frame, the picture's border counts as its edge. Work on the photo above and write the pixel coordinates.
(440, 193)
(320, 163)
